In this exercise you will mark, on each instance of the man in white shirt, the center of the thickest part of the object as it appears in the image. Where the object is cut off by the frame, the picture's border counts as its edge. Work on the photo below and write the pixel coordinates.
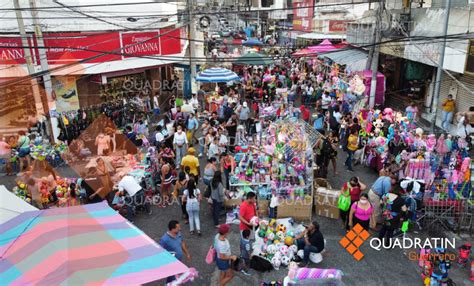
(134, 195)
(180, 143)
(159, 137)
(325, 101)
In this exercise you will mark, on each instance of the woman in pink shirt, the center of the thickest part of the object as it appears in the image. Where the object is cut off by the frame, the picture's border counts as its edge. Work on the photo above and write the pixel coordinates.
(362, 213)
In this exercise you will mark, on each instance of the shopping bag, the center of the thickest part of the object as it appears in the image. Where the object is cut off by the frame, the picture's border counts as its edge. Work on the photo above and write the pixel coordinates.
(211, 255)
(344, 202)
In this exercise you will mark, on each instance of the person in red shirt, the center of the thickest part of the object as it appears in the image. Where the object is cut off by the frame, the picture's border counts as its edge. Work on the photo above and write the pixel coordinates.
(353, 188)
(247, 211)
(305, 114)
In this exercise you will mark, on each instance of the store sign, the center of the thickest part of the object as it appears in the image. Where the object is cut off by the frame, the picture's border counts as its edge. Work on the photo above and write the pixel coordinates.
(11, 51)
(337, 26)
(303, 12)
(141, 44)
(63, 48)
(72, 47)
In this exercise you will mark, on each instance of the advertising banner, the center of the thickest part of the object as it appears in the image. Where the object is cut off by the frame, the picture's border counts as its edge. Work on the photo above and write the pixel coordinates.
(64, 48)
(11, 51)
(303, 11)
(337, 26)
(65, 90)
(72, 47)
(141, 44)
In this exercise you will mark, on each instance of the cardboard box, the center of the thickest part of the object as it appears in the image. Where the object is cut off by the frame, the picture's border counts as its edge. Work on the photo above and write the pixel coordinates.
(327, 197)
(263, 207)
(326, 203)
(321, 182)
(297, 209)
(232, 203)
(470, 117)
(327, 211)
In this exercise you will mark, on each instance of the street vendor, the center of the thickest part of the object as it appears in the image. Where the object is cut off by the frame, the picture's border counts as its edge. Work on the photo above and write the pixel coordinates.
(311, 240)
(247, 211)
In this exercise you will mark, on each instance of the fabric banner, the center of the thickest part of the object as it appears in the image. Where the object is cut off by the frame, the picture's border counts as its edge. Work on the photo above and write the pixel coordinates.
(65, 90)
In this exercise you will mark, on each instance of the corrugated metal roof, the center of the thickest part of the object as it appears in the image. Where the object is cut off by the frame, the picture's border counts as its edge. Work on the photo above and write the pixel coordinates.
(355, 59)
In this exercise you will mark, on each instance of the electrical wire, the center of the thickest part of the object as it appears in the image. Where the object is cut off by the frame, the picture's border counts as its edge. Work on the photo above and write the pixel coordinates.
(203, 59)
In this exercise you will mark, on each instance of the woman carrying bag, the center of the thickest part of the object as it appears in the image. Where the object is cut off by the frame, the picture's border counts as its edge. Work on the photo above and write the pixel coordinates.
(217, 196)
(350, 193)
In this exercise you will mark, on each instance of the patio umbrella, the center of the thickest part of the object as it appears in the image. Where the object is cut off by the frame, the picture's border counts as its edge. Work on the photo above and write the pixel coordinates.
(252, 42)
(90, 244)
(254, 59)
(325, 46)
(217, 75)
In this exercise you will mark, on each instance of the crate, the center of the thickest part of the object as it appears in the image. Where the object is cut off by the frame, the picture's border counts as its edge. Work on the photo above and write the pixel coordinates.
(326, 202)
(321, 182)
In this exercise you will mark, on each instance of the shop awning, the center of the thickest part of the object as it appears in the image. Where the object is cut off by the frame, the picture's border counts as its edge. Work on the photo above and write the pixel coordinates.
(316, 36)
(354, 59)
(90, 244)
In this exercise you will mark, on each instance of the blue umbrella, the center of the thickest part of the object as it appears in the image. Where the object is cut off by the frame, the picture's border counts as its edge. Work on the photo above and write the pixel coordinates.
(252, 42)
(217, 75)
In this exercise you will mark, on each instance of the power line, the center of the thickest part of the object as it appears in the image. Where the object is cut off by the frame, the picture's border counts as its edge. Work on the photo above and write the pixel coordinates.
(204, 59)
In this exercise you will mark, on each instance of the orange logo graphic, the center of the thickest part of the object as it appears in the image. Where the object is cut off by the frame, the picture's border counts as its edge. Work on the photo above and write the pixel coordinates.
(353, 240)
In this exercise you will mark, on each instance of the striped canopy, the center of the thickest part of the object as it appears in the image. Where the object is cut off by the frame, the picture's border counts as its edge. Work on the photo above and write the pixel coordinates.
(217, 75)
(90, 244)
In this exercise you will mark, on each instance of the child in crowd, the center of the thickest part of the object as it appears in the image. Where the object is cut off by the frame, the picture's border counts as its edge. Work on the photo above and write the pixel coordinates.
(245, 251)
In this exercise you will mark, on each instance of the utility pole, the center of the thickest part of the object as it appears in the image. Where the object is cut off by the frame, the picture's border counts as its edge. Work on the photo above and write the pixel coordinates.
(375, 56)
(191, 38)
(29, 60)
(439, 71)
(45, 67)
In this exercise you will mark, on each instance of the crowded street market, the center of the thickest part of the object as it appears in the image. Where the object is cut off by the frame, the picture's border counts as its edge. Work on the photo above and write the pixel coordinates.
(227, 152)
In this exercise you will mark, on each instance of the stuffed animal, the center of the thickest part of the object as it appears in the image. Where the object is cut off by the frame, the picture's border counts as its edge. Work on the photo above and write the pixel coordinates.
(254, 221)
(431, 142)
(270, 236)
(441, 146)
(281, 227)
(280, 235)
(293, 249)
(271, 249)
(388, 114)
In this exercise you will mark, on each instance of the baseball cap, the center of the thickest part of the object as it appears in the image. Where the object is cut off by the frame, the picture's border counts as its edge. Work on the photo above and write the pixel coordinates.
(224, 228)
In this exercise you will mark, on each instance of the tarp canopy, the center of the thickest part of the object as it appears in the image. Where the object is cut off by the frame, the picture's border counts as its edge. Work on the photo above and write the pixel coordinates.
(354, 59)
(324, 47)
(90, 244)
(304, 53)
(254, 59)
(11, 205)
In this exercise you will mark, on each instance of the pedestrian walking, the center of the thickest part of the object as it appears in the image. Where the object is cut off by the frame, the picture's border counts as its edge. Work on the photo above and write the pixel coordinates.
(449, 105)
(192, 198)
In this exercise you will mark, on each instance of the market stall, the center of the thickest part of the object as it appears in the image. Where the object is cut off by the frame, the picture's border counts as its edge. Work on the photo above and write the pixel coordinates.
(279, 167)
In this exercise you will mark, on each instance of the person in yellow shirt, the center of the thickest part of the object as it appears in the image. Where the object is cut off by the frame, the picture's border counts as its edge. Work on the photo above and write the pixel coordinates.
(352, 146)
(448, 110)
(192, 162)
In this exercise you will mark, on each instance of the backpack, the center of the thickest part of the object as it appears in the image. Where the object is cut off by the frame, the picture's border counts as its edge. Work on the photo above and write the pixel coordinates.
(327, 147)
(319, 123)
(260, 264)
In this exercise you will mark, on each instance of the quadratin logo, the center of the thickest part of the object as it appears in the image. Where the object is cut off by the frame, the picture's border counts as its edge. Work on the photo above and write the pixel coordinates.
(353, 240)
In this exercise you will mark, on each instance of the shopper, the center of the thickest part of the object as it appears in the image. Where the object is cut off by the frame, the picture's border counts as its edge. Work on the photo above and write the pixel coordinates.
(179, 187)
(192, 198)
(352, 146)
(192, 162)
(180, 143)
(209, 171)
(23, 146)
(449, 105)
(362, 213)
(217, 196)
(166, 180)
(224, 256)
(381, 187)
(227, 167)
(173, 242)
(394, 209)
(245, 251)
